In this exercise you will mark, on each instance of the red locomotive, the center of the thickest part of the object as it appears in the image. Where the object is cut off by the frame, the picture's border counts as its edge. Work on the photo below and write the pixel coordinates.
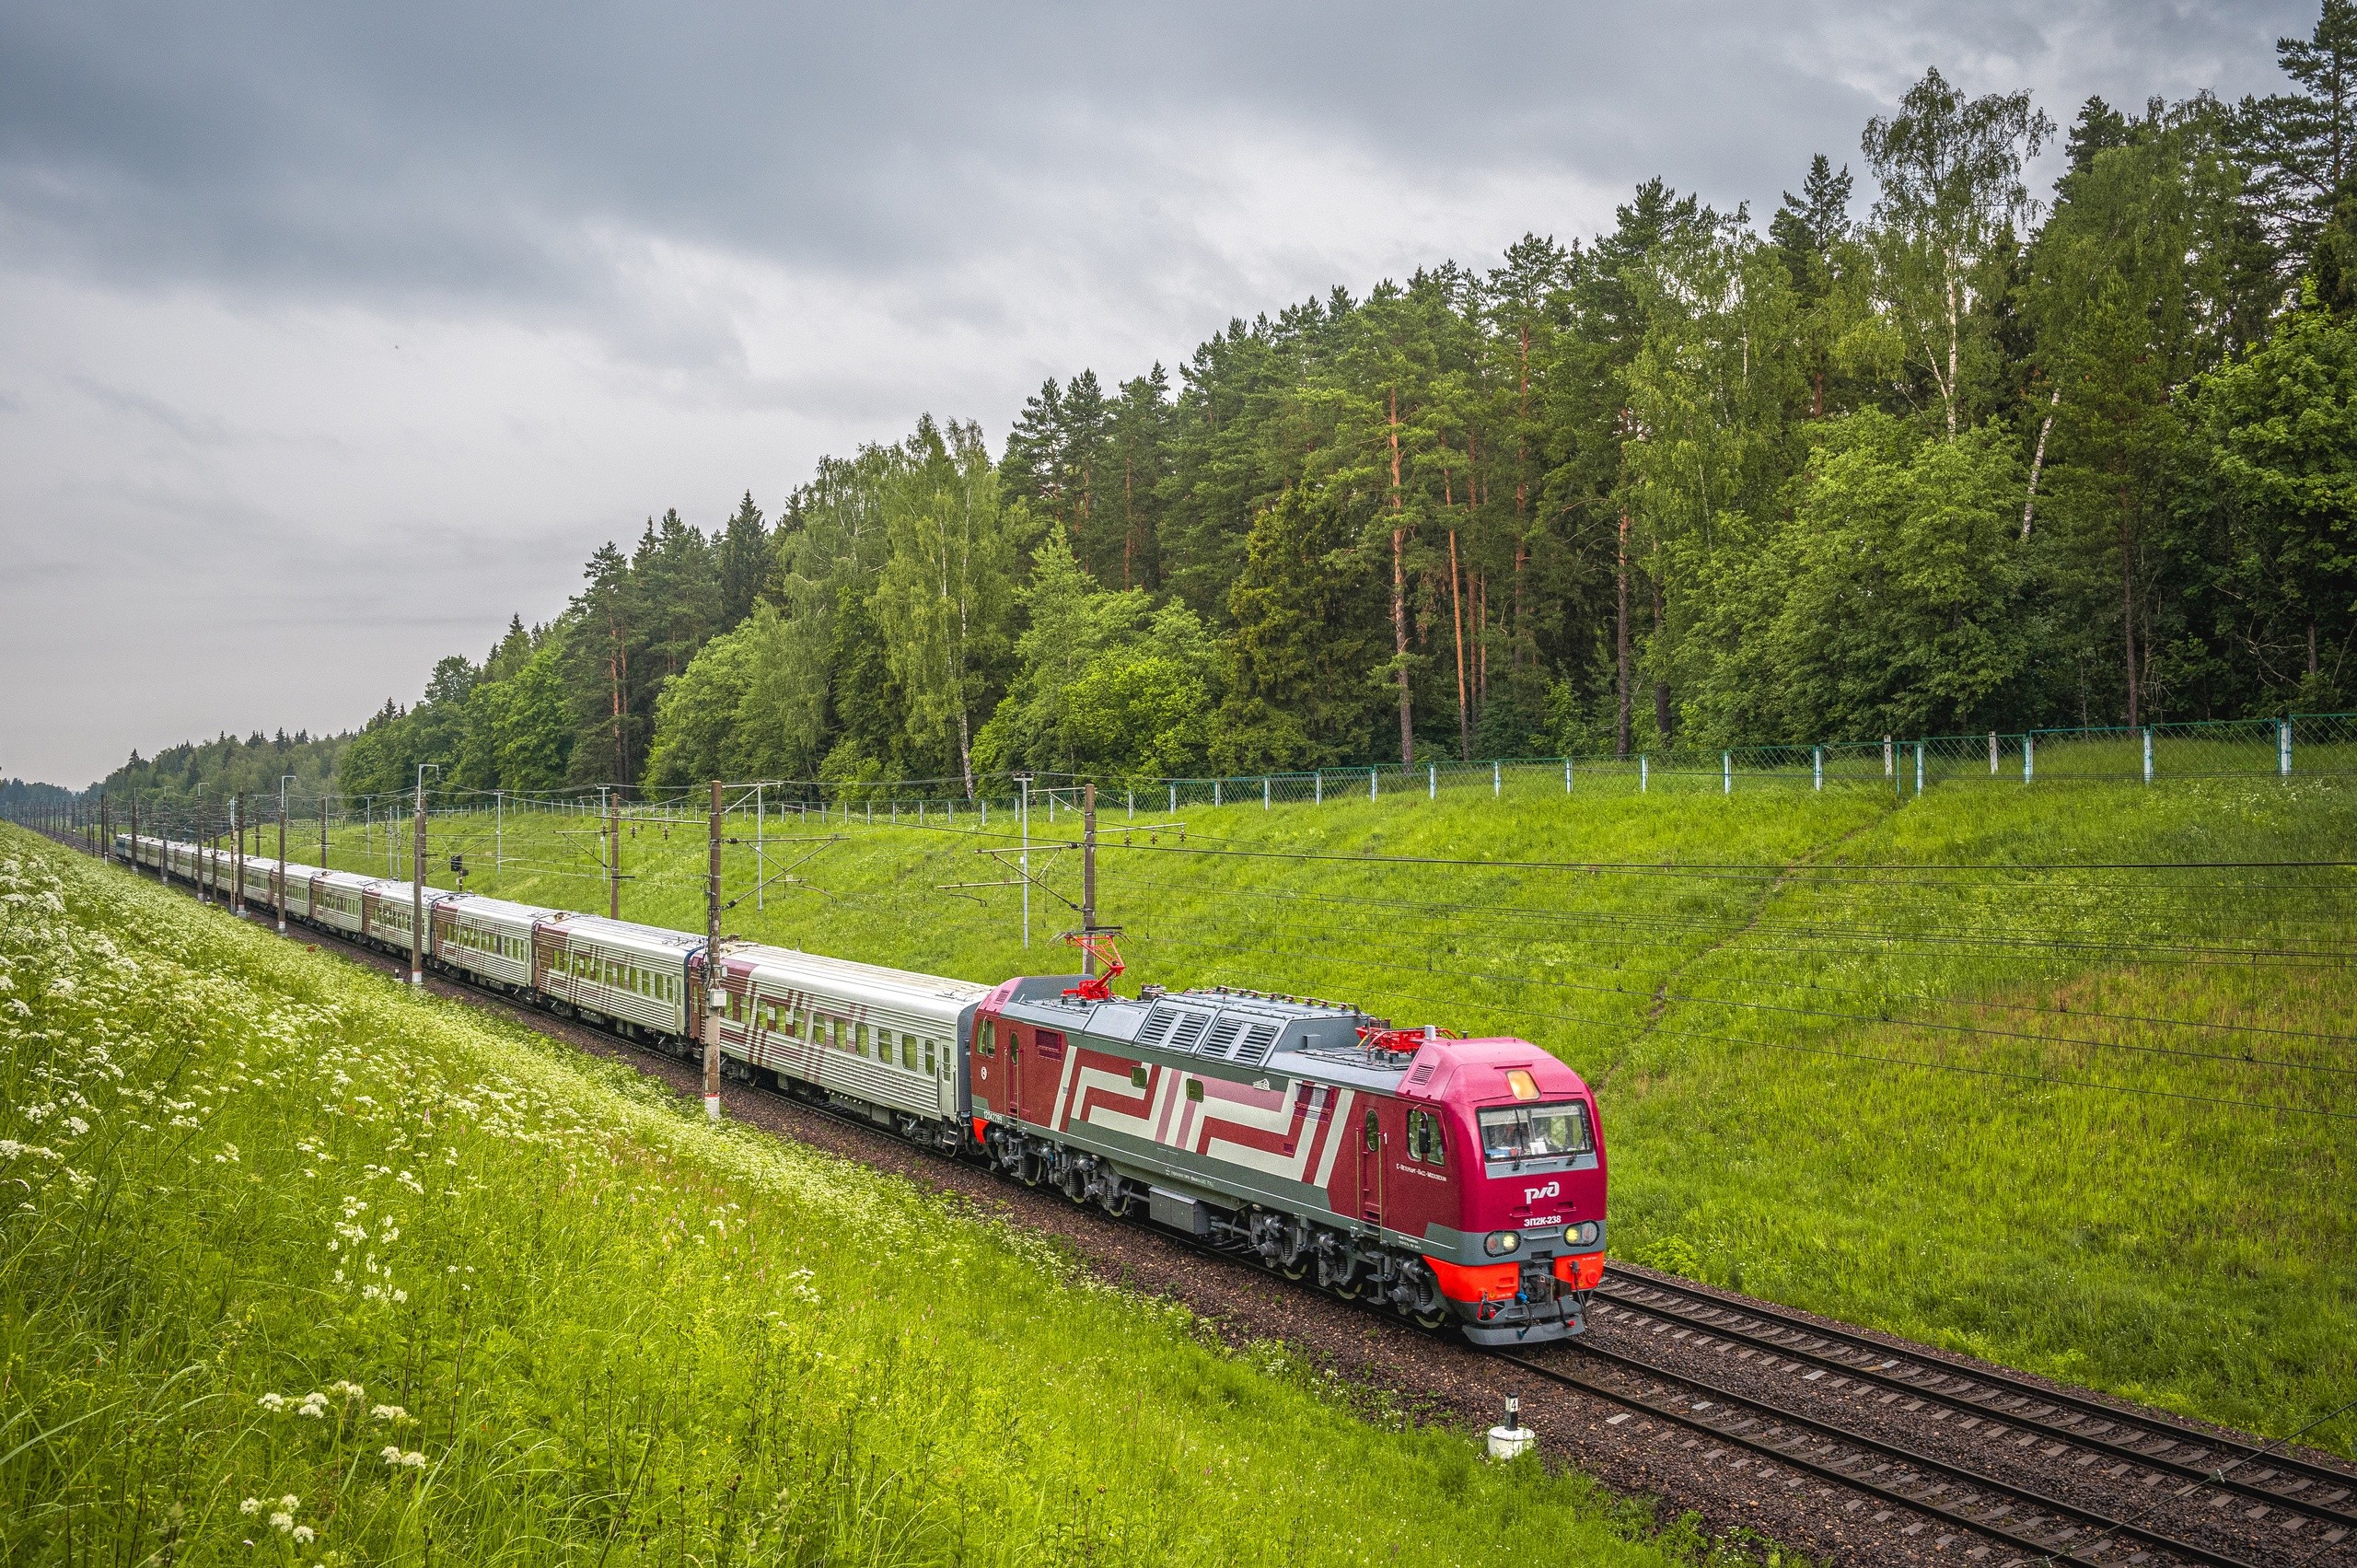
(1453, 1180)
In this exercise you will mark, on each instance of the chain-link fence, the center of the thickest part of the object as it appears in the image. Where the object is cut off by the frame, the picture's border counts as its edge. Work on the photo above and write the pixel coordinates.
(2306, 745)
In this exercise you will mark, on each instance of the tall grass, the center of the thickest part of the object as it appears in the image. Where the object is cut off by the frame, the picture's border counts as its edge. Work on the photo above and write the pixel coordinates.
(298, 1268)
(2036, 1114)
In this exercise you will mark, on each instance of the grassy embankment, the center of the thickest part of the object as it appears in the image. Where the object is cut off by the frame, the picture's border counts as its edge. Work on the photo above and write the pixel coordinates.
(2058, 1190)
(298, 1268)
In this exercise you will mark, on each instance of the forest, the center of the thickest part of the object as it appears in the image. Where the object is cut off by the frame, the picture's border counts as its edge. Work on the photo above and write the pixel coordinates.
(1927, 452)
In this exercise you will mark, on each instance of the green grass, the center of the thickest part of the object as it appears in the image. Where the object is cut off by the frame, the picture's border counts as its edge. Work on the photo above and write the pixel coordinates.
(1812, 1082)
(296, 1267)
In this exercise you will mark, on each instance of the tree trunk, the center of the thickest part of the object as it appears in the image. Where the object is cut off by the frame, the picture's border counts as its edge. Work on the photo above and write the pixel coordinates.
(2312, 651)
(1480, 640)
(1621, 636)
(1956, 345)
(1661, 687)
(1521, 556)
(1399, 594)
(1457, 618)
(2038, 460)
(1817, 402)
(2128, 616)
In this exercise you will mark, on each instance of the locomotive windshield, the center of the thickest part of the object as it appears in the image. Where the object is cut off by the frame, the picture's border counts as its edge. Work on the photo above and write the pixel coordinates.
(1534, 1131)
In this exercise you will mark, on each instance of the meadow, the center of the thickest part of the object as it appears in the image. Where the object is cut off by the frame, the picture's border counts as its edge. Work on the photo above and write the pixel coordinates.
(2043, 1074)
(298, 1267)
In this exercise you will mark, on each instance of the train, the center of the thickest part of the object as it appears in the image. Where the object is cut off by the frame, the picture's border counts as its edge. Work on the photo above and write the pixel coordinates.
(1459, 1183)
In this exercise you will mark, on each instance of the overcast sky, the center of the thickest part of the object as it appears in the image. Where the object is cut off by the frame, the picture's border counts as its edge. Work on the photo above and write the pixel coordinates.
(331, 335)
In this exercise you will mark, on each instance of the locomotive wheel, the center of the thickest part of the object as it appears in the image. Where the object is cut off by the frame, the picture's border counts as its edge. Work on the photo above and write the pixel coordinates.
(1435, 1318)
(1297, 1269)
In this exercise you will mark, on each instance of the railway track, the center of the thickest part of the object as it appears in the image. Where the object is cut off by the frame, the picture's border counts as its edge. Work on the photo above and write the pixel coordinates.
(2068, 1429)
(2311, 1505)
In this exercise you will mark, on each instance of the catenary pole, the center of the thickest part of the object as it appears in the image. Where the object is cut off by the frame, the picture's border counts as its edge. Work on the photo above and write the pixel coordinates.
(417, 887)
(237, 855)
(281, 853)
(613, 855)
(1088, 875)
(712, 991)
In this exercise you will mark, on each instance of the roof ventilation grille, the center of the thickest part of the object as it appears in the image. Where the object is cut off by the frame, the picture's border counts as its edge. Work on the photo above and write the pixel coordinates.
(1222, 1037)
(1190, 1030)
(1258, 1041)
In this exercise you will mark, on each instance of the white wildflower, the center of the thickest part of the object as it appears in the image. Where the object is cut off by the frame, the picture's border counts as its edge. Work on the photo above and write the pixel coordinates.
(282, 1521)
(390, 1454)
(303, 1536)
(76, 1126)
(393, 1414)
(290, 1502)
(272, 1402)
(251, 1506)
(413, 1460)
(314, 1405)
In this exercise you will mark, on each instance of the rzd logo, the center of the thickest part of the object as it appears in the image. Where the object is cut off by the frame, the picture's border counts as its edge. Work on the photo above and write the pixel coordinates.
(1532, 1194)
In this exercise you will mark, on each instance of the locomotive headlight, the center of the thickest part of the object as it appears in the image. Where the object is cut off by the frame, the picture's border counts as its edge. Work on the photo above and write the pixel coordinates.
(1502, 1241)
(1584, 1234)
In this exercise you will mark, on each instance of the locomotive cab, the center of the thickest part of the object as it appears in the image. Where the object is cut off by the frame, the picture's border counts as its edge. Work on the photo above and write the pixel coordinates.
(1528, 1243)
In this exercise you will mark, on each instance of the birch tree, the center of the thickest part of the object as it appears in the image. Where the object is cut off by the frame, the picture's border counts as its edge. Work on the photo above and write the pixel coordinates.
(1948, 224)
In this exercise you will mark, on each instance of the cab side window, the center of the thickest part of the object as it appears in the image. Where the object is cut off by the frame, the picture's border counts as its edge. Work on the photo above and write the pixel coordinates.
(990, 1037)
(1374, 1131)
(1424, 1144)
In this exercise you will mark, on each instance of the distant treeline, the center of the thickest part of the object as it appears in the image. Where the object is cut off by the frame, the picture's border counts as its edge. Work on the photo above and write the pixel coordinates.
(1979, 460)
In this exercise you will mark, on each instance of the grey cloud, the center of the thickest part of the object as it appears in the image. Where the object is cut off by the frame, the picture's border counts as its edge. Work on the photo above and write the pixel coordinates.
(640, 257)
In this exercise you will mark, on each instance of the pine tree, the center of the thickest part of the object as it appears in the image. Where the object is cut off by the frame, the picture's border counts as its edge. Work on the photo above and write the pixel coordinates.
(744, 558)
(2303, 145)
(1298, 688)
